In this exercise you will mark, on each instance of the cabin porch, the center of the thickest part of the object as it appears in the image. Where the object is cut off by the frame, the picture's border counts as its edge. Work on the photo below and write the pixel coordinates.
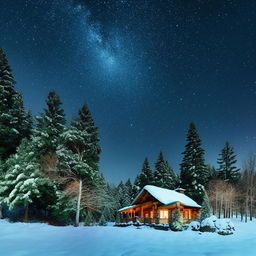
(153, 213)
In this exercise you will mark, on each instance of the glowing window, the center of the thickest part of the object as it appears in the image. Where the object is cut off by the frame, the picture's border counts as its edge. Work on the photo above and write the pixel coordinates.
(164, 214)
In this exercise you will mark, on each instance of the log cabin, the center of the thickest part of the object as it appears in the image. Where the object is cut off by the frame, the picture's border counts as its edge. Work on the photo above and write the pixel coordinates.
(155, 205)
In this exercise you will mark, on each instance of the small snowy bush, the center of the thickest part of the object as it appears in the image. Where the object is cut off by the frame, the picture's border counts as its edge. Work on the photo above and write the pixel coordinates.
(221, 226)
(194, 225)
(208, 224)
(137, 222)
(224, 227)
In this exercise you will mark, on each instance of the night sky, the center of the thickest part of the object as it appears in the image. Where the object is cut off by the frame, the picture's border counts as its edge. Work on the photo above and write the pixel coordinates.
(146, 68)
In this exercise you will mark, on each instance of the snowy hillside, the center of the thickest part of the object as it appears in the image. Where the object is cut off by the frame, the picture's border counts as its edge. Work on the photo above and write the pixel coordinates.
(21, 239)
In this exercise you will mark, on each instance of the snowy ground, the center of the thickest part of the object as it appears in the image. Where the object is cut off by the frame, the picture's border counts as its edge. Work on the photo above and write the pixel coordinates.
(21, 239)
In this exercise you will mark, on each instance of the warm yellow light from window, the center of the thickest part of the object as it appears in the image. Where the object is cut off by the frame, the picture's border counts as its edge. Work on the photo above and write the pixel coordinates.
(163, 214)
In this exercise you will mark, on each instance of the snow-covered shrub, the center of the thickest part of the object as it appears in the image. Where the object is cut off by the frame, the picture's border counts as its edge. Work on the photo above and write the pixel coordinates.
(221, 226)
(161, 226)
(102, 221)
(224, 227)
(208, 224)
(206, 210)
(176, 222)
(137, 222)
(194, 225)
(89, 219)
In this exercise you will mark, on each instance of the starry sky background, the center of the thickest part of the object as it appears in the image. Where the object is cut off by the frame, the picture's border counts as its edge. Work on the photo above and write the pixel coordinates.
(146, 69)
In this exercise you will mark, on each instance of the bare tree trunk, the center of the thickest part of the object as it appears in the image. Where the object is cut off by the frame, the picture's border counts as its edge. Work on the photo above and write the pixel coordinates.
(78, 203)
(251, 203)
(26, 214)
(216, 204)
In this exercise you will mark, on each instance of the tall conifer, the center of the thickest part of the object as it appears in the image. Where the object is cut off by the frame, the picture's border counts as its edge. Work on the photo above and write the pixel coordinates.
(15, 122)
(146, 176)
(79, 154)
(227, 169)
(49, 125)
(164, 175)
(194, 173)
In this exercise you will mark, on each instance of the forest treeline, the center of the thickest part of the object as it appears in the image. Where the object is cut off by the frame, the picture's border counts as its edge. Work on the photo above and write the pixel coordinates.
(49, 169)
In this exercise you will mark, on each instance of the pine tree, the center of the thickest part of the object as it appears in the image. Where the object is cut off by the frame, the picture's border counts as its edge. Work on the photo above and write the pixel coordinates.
(123, 196)
(22, 184)
(206, 210)
(79, 154)
(1, 178)
(15, 122)
(102, 220)
(49, 126)
(89, 219)
(114, 203)
(213, 173)
(106, 202)
(129, 187)
(136, 187)
(63, 210)
(146, 176)
(176, 222)
(227, 169)
(86, 123)
(164, 175)
(194, 173)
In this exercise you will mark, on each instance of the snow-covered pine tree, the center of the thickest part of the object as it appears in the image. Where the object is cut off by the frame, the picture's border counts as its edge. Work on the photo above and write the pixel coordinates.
(128, 186)
(79, 154)
(123, 195)
(206, 210)
(164, 175)
(136, 184)
(176, 222)
(213, 173)
(105, 204)
(227, 169)
(194, 173)
(86, 123)
(22, 184)
(146, 176)
(15, 122)
(49, 126)
(1, 178)
(63, 210)
(172, 179)
(102, 220)
(72, 166)
(89, 219)
(136, 187)
(112, 194)
(159, 170)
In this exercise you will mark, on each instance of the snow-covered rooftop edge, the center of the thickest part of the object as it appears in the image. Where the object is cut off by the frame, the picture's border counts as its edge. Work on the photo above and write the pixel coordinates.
(165, 196)
(127, 207)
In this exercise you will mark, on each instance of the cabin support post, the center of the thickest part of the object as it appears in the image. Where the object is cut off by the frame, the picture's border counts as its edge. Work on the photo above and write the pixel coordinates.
(141, 213)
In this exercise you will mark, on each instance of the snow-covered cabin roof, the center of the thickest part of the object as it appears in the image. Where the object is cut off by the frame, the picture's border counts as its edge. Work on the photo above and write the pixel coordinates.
(167, 196)
(179, 189)
(127, 208)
